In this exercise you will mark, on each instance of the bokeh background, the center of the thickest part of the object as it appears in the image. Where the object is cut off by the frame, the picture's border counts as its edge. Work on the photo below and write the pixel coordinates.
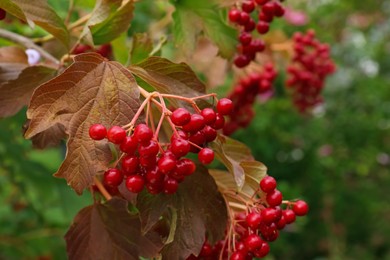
(336, 158)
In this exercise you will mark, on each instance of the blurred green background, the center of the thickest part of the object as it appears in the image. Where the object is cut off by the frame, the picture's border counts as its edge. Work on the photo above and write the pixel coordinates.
(338, 158)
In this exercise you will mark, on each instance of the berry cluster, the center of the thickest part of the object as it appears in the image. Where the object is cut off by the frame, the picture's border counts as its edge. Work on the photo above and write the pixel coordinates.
(251, 231)
(145, 162)
(308, 71)
(244, 95)
(3, 13)
(105, 50)
(266, 11)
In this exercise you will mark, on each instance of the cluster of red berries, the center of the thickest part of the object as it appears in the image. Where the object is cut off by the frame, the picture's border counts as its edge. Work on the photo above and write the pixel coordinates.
(253, 230)
(266, 11)
(3, 13)
(244, 95)
(145, 163)
(105, 50)
(309, 69)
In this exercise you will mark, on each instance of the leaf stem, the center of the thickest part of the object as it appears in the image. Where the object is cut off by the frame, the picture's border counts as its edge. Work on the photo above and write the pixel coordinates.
(26, 42)
(101, 188)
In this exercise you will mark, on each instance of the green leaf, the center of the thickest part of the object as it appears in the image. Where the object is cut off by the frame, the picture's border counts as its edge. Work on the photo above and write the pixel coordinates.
(109, 19)
(142, 46)
(198, 206)
(40, 13)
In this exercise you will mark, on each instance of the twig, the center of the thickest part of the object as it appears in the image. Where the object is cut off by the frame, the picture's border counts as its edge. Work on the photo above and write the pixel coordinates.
(26, 42)
(101, 188)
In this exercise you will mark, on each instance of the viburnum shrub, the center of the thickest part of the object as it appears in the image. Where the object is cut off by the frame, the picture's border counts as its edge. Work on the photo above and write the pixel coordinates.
(140, 129)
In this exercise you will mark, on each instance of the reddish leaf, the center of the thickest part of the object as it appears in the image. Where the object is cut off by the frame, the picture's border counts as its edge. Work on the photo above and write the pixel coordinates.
(168, 77)
(199, 208)
(48, 138)
(104, 231)
(12, 61)
(92, 90)
(15, 94)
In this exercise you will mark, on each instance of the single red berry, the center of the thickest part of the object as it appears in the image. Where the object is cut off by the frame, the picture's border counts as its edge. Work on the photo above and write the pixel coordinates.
(262, 27)
(206, 156)
(207, 250)
(170, 186)
(250, 25)
(253, 220)
(245, 38)
(181, 135)
(253, 242)
(268, 9)
(3, 13)
(281, 223)
(166, 164)
(105, 50)
(130, 164)
(97, 132)
(238, 255)
(244, 18)
(116, 134)
(219, 122)
(81, 48)
(149, 148)
(181, 117)
(180, 147)
(248, 6)
(209, 116)
(113, 177)
(265, 17)
(148, 161)
(263, 250)
(196, 123)
(289, 216)
(241, 61)
(154, 176)
(155, 188)
(209, 133)
(269, 215)
(225, 106)
(234, 15)
(185, 167)
(240, 246)
(135, 183)
(278, 9)
(129, 145)
(261, 2)
(274, 198)
(300, 208)
(268, 184)
(143, 133)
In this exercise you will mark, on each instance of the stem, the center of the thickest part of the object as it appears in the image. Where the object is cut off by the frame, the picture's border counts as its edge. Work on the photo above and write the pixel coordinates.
(101, 188)
(26, 42)
(71, 4)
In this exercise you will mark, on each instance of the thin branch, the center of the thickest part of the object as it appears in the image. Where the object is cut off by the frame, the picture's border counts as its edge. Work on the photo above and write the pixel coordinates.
(26, 42)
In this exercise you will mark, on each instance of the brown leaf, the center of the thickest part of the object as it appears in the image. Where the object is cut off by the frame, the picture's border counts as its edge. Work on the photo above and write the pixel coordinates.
(16, 93)
(169, 78)
(13, 54)
(49, 138)
(104, 231)
(92, 90)
(142, 46)
(232, 154)
(198, 206)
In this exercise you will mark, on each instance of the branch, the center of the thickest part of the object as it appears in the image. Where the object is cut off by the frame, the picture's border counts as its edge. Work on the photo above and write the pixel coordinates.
(26, 42)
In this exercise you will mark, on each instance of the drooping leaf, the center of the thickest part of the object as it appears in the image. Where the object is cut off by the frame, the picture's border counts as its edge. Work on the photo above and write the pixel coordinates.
(49, 138)
(15, 94)
(199, 208)
(12, 61)
(109, 19)
(142, 46)
(40, 13)
(92, 90)
(169, 78)
(104, 231)
(233, 154)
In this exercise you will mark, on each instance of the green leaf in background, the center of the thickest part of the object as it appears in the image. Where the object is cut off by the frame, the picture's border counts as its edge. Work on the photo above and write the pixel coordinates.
(142, 46)
(40, 13)
(109, 19)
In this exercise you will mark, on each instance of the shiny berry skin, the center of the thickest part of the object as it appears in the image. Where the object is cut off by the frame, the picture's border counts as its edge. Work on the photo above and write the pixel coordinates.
(263, 250)
(148, 161)
(130, 164)
(278, 10)
(300, 208)
(225, 106)
(143, 133)
(209, 133)
(196, 123)
(269, 215)
(116, 134)
(268, 9)
(170, 186)
(181, 134)
(166, 164)
(113, 177)
(97, 132)
(241, 61)
(289, 216)
(135, 183)
(253, 242)
(180, 116)
(245, 38)
(244, 18)
(250, 25)
(281, 223)
(185, 167)
(180, 147)
(206, 156)
(149, 148)
(262, 27)
(237, 255)
(219, 122)
(207, 250)
(129, 145)
(209, 116)
(253, 220)
(268, 184)
(248, 6)
(81, 48)
(234, 15)
(274, 198)
(2, 14)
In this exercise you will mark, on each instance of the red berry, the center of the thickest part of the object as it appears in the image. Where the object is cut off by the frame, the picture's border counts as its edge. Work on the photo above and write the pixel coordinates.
(261, 2)
(97, 132)
(135, 183)
(219, 122)
(181, 117)
(129, 145)
(268, 9)
(245, 38)
(281, 223)
(300, 208)
(180, 147)
(241, 61)
(105, 50)
(234, 15)
(143, 133)
(237, 255)
(269, 215)
(209, 133)
(289, 216)
(278, 9)
(253, 220)
(253, 242)
(250, 25)
(2, 14)
(274, 198)
(248, 6)
(209, 116)
(206, 155)
(268, 184)
(257, 45)
(116, 134)
(207, 250)
(185, 167)
(196, 123)
(244, 18)
(181, 134)
(265, 17)
(81, 48)
(262, 27)
(149, 148)
(225, 106)
(170, 186)
(148, 161)
(263, 250)
(154, 176)
(166, 164)
(113, 177)
(130, 164)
